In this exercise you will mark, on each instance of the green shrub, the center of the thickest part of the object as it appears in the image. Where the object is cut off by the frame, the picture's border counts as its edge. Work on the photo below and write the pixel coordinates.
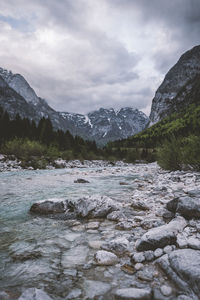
(191, 152)
(169, 155)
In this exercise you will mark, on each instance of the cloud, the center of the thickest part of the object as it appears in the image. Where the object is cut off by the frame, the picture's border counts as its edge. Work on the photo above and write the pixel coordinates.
(85, 54)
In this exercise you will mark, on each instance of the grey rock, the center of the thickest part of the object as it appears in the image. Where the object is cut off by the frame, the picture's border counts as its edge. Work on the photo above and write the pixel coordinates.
(118, 245)
(167, 249)
(158, 252)
(181, 241)
(138, 257)
(194, 243)
(188, 207)
(48, 207)
(81, 180)
(149, 255)
(161, 236)
(178, 87)
(166, 290)
(92, 206)
(105, 258)
(133, 294)
(34, 294)
(94, 288)
(183, 268)
(139, 205)
(4, 296)
(74, 294)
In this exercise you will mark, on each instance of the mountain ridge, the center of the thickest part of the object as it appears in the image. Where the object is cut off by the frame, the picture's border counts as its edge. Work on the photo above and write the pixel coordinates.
(102, 125)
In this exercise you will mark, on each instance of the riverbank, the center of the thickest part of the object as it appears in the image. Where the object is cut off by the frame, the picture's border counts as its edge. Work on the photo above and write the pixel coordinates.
(127, 232)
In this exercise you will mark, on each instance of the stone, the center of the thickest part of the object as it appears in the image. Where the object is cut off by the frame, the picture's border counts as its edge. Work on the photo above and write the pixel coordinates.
(92, 206)
(119, 245)
(129, 269)
(74, 294)
(166, 290)
(138, 257)
(4, 296)
(138, 266)
(183, 268)
(139, 205)
(94, 288)
(188, 207)
(158, 252)
(194, 243)
(145, 275)
(181, 241)
(51, 206)
(95, 244)
(92, 225)
(80, 180)
(161, 236)
(34, 294)
(74, 257)
(133, 294)
(149, 255)
(116, 215)
(105, 258)
(168, 249)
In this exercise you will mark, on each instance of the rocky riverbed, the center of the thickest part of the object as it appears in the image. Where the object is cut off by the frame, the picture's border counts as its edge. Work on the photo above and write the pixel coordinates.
(100, 232)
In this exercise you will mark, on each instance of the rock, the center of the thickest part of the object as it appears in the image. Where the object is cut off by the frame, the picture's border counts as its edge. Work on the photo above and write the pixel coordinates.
(74, 257)
(34, 294)
(181, 241)
(105, 258)
(149, 255)
(161, 236)
(129, 269)
(123, 183)
(92, 225)
(158, 252)
(139, 205)
(125, 225)
(194, 243)
(194, 193)
(74, 294)
(183, 268)
(188, 207)
(118, 245)
(138, 266)
(92, 206)
(168, 249)
(115, 215)
(94, 288)
(133, 294)
(138, 257)
(183, 297)
(95, 244)
(166, 290)
(4, 296)
(145, 275)
(80, 180)
(51, 206)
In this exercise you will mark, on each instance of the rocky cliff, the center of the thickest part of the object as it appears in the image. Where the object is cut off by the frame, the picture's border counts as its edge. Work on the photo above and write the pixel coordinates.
(179, 87)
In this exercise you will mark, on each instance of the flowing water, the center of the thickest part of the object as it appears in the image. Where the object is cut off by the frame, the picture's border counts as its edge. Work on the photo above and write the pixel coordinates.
(52, 254)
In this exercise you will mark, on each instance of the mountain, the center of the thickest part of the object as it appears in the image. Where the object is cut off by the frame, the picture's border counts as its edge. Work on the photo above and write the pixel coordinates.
(106, 125)
(103, 125)
(179, 87)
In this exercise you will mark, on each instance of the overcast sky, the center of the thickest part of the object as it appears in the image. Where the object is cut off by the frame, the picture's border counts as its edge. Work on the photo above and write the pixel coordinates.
(81, 55)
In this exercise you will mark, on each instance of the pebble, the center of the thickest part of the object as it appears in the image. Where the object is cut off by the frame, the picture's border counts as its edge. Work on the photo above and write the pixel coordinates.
(158, 252)
(166, 290)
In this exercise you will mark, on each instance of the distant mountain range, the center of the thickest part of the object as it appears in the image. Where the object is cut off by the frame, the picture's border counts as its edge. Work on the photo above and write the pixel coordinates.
(103, 125)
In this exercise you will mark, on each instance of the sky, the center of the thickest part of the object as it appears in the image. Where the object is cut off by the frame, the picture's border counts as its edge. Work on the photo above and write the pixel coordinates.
(81, 55)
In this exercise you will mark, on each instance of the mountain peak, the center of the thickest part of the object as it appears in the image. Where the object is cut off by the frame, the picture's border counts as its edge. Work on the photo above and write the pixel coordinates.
(176, 84)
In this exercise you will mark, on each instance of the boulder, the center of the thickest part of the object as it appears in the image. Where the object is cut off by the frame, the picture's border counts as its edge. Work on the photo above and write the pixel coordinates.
(34, 294)
(162, 236)
(183, 268)
(80, 180)
(92, 206)
(133, 294)
(51, 206)
(188, 207)
(119, 245)
(105, 258)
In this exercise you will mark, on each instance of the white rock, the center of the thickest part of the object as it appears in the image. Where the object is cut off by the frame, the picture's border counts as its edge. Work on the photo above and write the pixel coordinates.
(105, 258)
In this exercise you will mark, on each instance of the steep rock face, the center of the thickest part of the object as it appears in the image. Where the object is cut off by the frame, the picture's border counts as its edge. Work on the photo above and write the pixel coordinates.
(103, 125)
(179, 87)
